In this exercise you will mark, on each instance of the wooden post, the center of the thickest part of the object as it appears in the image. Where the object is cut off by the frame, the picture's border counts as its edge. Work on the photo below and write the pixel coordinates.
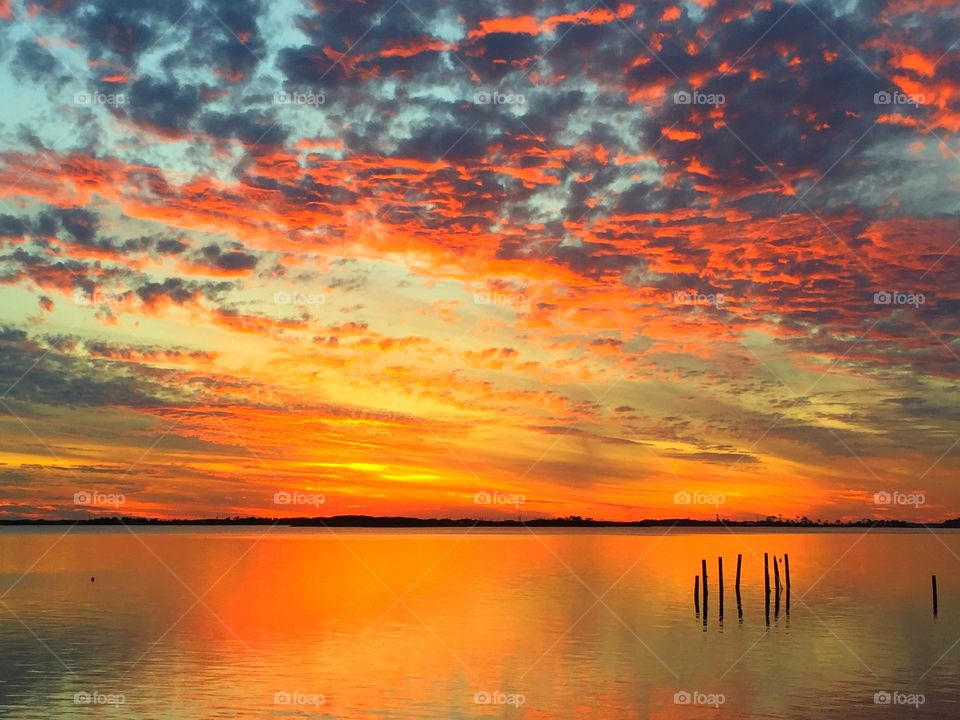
(776, 583)
(696, 594)
(786, 568)
(766, 586)
(737, 586)
(933, 579)
(720, 583)
(703, 569)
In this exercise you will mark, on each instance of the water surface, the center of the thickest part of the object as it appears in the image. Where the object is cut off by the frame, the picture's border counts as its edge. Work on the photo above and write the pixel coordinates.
(279, 622)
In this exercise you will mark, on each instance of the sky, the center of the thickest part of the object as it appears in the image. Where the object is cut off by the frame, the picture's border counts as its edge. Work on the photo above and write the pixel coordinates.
(484, 259)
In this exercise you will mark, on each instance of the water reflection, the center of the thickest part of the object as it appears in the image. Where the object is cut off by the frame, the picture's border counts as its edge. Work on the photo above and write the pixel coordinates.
(241, 623)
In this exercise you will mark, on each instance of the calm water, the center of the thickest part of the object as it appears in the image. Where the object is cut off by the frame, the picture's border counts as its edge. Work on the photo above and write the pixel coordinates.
(223, 623)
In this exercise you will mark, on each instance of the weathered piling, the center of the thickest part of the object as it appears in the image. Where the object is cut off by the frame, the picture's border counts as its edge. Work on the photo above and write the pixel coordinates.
(703, 570)
(778, 586)
(766, 574)
(720, 584)
(737, 587)
(696, 594)
(786, 569)
(766, 587)
(933, 580)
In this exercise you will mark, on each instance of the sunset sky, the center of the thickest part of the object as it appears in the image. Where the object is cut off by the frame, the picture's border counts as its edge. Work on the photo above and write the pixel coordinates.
(384, 256)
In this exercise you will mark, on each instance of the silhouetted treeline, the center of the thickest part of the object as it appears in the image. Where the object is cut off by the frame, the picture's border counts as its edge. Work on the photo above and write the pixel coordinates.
(367, 521)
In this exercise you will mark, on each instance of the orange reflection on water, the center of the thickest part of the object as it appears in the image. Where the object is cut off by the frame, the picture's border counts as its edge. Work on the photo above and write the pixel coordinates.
(422, 624)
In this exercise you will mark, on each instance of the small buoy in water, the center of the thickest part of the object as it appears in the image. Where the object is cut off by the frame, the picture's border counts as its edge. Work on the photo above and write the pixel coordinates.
(91, 579)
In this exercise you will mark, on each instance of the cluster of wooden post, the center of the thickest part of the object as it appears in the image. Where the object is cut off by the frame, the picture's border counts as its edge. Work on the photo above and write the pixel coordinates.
(700, 585)
(778, 587)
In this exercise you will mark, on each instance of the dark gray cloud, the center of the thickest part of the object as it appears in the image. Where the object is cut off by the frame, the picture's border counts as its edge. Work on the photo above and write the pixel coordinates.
(167, 106)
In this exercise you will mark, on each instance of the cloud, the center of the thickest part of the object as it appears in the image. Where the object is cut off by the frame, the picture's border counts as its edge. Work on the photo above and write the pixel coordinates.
(720, 207)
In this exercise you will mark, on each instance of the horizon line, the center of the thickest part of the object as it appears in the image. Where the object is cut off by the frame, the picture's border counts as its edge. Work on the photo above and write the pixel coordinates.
(407, 521)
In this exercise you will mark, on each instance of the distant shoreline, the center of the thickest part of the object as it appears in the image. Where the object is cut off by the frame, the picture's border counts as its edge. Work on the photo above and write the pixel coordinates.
(368, 521)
